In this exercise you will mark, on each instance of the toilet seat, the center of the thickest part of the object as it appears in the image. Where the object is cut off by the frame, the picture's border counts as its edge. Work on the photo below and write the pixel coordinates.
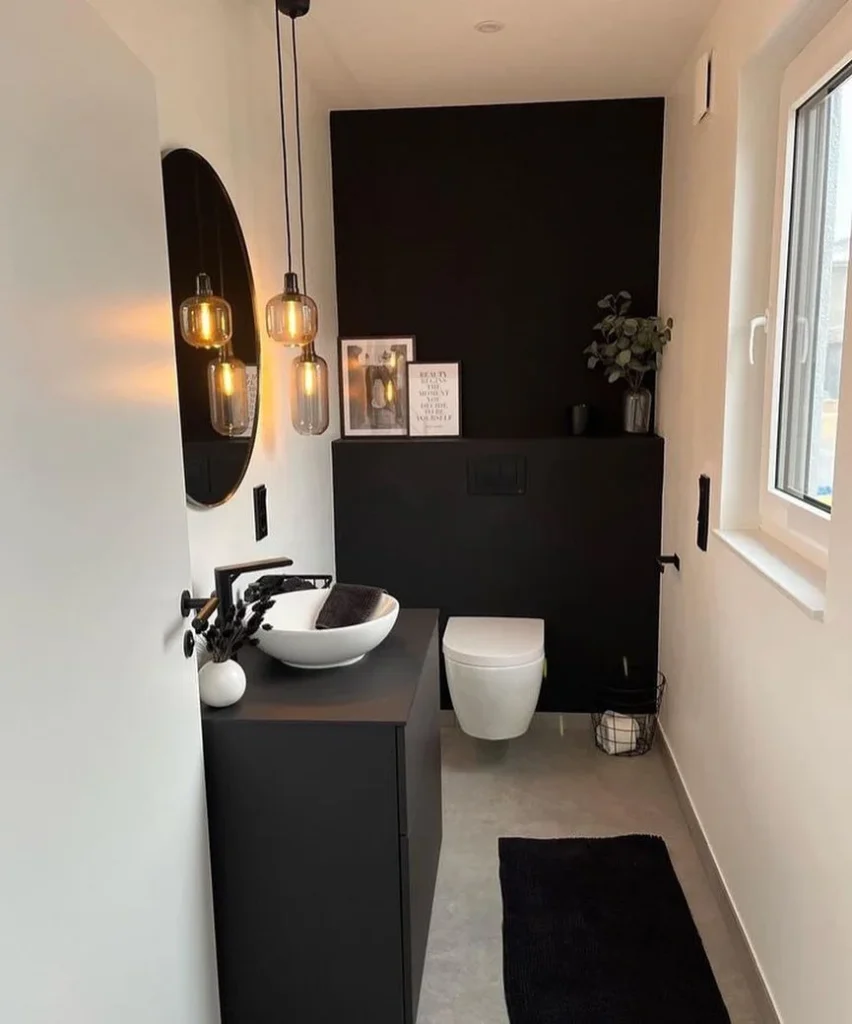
(494, 643)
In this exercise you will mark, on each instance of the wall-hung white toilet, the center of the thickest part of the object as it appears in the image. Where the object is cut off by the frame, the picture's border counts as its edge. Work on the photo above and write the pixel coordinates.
(494, 670)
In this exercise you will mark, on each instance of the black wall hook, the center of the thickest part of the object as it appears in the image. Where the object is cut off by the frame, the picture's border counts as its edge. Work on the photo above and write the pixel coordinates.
(665, 560)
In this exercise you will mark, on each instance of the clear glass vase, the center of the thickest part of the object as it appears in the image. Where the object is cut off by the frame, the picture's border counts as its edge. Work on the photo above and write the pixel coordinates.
(637, 410)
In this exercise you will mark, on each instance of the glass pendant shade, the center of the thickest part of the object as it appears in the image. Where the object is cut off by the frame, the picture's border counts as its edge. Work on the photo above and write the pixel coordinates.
(291, 317)
(309, 394)
(229, 401)
(205, 319)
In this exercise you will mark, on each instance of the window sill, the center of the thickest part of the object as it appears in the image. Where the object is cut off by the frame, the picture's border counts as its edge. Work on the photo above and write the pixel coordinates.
(790, 573)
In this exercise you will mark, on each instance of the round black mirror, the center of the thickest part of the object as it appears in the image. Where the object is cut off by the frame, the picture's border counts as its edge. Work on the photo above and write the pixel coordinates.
(216, 343)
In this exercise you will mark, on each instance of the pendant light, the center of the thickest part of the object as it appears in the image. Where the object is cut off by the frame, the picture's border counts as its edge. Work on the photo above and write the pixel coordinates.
(291, 317)
(227, 380)
(227, 385)
(309, 393)
(206, 320)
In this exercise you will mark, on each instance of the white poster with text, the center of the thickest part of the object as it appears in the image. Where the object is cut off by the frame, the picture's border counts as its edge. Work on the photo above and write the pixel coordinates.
(434, 400)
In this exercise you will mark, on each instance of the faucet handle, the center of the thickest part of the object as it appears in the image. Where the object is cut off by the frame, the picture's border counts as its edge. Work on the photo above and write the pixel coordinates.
(225, 575)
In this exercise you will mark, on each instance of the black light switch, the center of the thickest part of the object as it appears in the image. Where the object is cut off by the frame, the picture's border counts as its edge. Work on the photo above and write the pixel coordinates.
(261, 519)
(703, 511)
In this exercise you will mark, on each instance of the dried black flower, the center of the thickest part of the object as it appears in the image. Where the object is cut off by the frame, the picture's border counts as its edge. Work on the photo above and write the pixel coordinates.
(224, 639)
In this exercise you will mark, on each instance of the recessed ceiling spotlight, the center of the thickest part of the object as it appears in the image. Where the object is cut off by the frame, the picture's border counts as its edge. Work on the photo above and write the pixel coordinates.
(489, 27)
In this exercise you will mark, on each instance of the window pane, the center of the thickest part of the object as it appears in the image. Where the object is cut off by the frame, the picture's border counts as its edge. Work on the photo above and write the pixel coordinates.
(816, 294)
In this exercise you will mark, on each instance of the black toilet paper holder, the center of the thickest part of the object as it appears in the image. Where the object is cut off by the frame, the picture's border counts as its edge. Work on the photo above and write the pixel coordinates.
(665, 560)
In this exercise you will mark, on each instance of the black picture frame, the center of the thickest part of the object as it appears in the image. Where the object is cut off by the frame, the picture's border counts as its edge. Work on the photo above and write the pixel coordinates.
(392, 417)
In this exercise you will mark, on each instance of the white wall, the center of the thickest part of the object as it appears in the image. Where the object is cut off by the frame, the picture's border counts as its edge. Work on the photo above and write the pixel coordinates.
(759, 713)
(214, 63)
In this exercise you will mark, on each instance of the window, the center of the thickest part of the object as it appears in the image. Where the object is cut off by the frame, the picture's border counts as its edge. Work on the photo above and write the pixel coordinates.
(809, 298)
(816, 294)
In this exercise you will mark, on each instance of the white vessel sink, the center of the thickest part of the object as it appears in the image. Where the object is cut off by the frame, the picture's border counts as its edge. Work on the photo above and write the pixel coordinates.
(294, 640)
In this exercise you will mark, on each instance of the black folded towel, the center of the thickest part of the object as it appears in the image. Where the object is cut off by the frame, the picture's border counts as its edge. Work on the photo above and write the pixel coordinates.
(348, 605)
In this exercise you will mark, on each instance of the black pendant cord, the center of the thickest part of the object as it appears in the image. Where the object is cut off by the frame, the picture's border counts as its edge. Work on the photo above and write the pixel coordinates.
(297, 97)
(227, 351)
(221, 257)
(284, 141)
(198, 222)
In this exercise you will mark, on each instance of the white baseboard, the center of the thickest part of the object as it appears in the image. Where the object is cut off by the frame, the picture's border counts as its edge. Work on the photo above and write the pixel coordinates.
(757, 982)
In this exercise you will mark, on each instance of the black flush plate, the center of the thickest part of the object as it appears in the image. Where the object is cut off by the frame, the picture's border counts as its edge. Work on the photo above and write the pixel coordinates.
(261, 518)
(492, 475)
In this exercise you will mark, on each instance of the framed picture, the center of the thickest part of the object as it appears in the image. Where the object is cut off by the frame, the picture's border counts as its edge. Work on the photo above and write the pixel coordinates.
(374, 386)
(434, 399)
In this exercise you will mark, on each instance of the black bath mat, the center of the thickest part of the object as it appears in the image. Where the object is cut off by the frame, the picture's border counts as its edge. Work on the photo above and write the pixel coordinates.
(598, 931)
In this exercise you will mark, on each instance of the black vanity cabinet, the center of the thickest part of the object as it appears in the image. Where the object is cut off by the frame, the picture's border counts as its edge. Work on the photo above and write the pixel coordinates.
(324, 806)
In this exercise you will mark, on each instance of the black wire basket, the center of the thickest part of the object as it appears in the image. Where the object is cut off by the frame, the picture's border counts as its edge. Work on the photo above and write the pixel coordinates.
(627, 725)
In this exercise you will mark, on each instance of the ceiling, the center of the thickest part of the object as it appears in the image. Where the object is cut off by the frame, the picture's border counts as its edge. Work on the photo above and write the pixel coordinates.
(398, 53)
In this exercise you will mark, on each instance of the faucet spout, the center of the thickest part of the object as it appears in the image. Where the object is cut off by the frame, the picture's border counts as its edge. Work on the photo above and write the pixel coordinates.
(226, 575)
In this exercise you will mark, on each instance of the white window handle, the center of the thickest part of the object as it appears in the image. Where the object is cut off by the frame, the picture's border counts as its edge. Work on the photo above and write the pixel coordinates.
(754, 327)
(804, 326)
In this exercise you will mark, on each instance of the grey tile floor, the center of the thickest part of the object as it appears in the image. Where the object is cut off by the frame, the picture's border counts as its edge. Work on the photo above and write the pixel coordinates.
(551, 783)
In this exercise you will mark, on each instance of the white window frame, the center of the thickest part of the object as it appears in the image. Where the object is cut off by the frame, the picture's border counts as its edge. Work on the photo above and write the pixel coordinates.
(795, 523)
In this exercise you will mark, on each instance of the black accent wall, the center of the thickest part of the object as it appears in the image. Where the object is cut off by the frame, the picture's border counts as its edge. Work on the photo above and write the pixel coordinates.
(490, 233)
(565, 529)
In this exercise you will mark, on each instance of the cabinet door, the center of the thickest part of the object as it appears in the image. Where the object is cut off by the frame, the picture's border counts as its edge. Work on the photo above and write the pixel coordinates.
(420, 823)
(306, 881)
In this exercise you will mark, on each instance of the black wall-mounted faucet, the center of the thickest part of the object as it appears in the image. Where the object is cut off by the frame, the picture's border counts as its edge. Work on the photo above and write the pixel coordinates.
(225, 576)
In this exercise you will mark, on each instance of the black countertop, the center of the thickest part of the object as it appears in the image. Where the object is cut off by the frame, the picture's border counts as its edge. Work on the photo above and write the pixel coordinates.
(378, 689)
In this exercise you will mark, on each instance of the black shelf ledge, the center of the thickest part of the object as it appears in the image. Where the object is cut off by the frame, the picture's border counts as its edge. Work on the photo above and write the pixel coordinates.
(567, 438)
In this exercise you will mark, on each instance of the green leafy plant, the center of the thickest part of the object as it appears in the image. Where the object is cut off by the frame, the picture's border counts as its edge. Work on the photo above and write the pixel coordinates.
(632, 345)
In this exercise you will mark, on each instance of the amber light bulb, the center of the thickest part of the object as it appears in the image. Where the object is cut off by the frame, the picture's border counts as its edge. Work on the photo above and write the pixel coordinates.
(228, 389)
(205, 319)
(291, 317)
(309, 393)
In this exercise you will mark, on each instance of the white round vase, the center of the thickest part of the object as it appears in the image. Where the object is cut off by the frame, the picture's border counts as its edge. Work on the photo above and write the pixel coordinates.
(221, 683)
